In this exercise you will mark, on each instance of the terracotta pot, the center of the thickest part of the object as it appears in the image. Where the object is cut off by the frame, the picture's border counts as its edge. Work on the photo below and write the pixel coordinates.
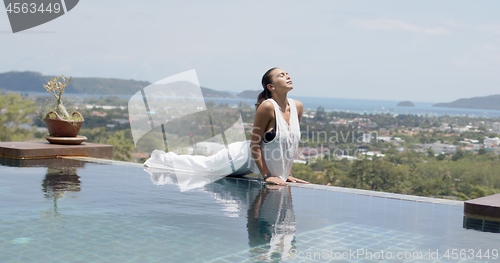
(62, 128)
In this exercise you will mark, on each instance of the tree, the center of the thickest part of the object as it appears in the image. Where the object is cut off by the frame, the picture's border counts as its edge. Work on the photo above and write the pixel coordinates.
(15, 111)
(302, 171)
(440, 157)
(458, 154)
(320, 114)
(360, 171)
(430, 152)
(96, 135)
(122, 146)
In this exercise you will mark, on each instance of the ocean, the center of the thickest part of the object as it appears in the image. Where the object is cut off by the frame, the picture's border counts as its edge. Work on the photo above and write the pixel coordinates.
(376, 107)
(338, 104)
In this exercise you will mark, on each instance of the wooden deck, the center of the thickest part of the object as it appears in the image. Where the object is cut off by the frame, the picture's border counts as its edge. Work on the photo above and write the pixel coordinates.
(483, 214)
(45, 150)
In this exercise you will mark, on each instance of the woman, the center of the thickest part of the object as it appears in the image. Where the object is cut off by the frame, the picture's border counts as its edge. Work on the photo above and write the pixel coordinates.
(276, 130)
(273, 146)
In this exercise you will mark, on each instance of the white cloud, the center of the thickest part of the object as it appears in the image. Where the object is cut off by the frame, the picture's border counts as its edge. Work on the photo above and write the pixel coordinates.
(488, 47)
(478, 56)
(455, 24)
(396, 25)
(488, 29)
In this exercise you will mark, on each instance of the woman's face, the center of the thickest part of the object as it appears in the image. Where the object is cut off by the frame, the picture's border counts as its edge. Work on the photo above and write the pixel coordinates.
(281, 80)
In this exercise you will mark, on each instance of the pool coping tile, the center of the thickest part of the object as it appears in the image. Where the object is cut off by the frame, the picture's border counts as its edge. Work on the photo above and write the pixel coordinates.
(387, 195)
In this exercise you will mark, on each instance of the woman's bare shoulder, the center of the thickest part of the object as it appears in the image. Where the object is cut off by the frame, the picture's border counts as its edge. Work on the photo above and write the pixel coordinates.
(265, 106)
(298, 103)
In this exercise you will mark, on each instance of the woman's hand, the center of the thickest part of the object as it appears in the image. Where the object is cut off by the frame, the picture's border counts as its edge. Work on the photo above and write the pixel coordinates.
(275, 186)
(275, 180)
(292, 179)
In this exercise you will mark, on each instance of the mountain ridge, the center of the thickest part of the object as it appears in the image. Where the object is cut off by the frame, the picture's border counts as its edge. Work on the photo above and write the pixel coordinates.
(28, 81)
(491, 102)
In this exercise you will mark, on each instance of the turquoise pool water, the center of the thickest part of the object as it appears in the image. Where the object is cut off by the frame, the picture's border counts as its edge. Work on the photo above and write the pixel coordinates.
(119, 213)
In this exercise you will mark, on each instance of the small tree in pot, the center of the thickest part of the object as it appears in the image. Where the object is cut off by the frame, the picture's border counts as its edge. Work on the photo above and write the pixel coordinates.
(59, 122)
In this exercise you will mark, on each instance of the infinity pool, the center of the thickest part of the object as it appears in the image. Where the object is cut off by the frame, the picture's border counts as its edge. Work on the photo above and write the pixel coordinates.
(91, 212)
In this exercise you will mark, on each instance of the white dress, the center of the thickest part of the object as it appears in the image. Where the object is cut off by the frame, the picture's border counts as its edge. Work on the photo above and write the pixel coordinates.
(237, 159)
(280, 152)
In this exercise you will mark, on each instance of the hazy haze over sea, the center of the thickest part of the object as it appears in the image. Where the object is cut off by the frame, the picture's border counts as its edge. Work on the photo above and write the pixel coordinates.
(337, 104)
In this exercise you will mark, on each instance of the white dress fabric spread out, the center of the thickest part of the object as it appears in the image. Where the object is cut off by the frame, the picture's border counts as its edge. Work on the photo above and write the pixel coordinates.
(236, 159)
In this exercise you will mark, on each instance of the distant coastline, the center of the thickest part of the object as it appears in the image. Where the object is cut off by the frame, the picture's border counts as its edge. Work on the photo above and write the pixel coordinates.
(31, 83)
(28, 81)
(491, 102)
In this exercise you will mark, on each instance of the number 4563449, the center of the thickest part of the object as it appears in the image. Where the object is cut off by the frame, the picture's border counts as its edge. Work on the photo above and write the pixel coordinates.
(471, 254)
(32, 8)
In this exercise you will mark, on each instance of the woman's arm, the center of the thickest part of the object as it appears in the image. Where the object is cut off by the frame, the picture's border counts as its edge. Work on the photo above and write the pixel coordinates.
(264, 115)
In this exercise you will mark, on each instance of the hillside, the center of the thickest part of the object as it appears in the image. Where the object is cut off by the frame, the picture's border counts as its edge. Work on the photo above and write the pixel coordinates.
(491, 102)
(33, 81)
(406, 103)
(249, 94)
(28, 81)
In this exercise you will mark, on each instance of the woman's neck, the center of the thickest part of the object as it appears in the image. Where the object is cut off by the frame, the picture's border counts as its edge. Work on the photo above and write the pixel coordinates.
(281, 100)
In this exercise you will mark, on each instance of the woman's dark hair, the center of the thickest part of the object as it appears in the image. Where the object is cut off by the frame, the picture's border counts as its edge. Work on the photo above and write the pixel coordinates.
(266, 93)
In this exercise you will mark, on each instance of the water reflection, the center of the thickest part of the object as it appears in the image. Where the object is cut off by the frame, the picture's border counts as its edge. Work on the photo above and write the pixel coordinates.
(269, 211)
(185, 181)
(58, 181)
(268, 208)
(271, 224)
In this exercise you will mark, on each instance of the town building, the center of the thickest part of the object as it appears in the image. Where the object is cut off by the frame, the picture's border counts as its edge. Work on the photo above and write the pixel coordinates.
(439, 148)
(490, 142)
(496, 127)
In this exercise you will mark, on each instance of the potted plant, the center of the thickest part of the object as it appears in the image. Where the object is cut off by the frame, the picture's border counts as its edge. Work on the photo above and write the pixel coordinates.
(59, 122)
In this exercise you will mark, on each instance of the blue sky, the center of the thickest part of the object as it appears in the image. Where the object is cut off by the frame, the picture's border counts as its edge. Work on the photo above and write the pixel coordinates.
(435, 51)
